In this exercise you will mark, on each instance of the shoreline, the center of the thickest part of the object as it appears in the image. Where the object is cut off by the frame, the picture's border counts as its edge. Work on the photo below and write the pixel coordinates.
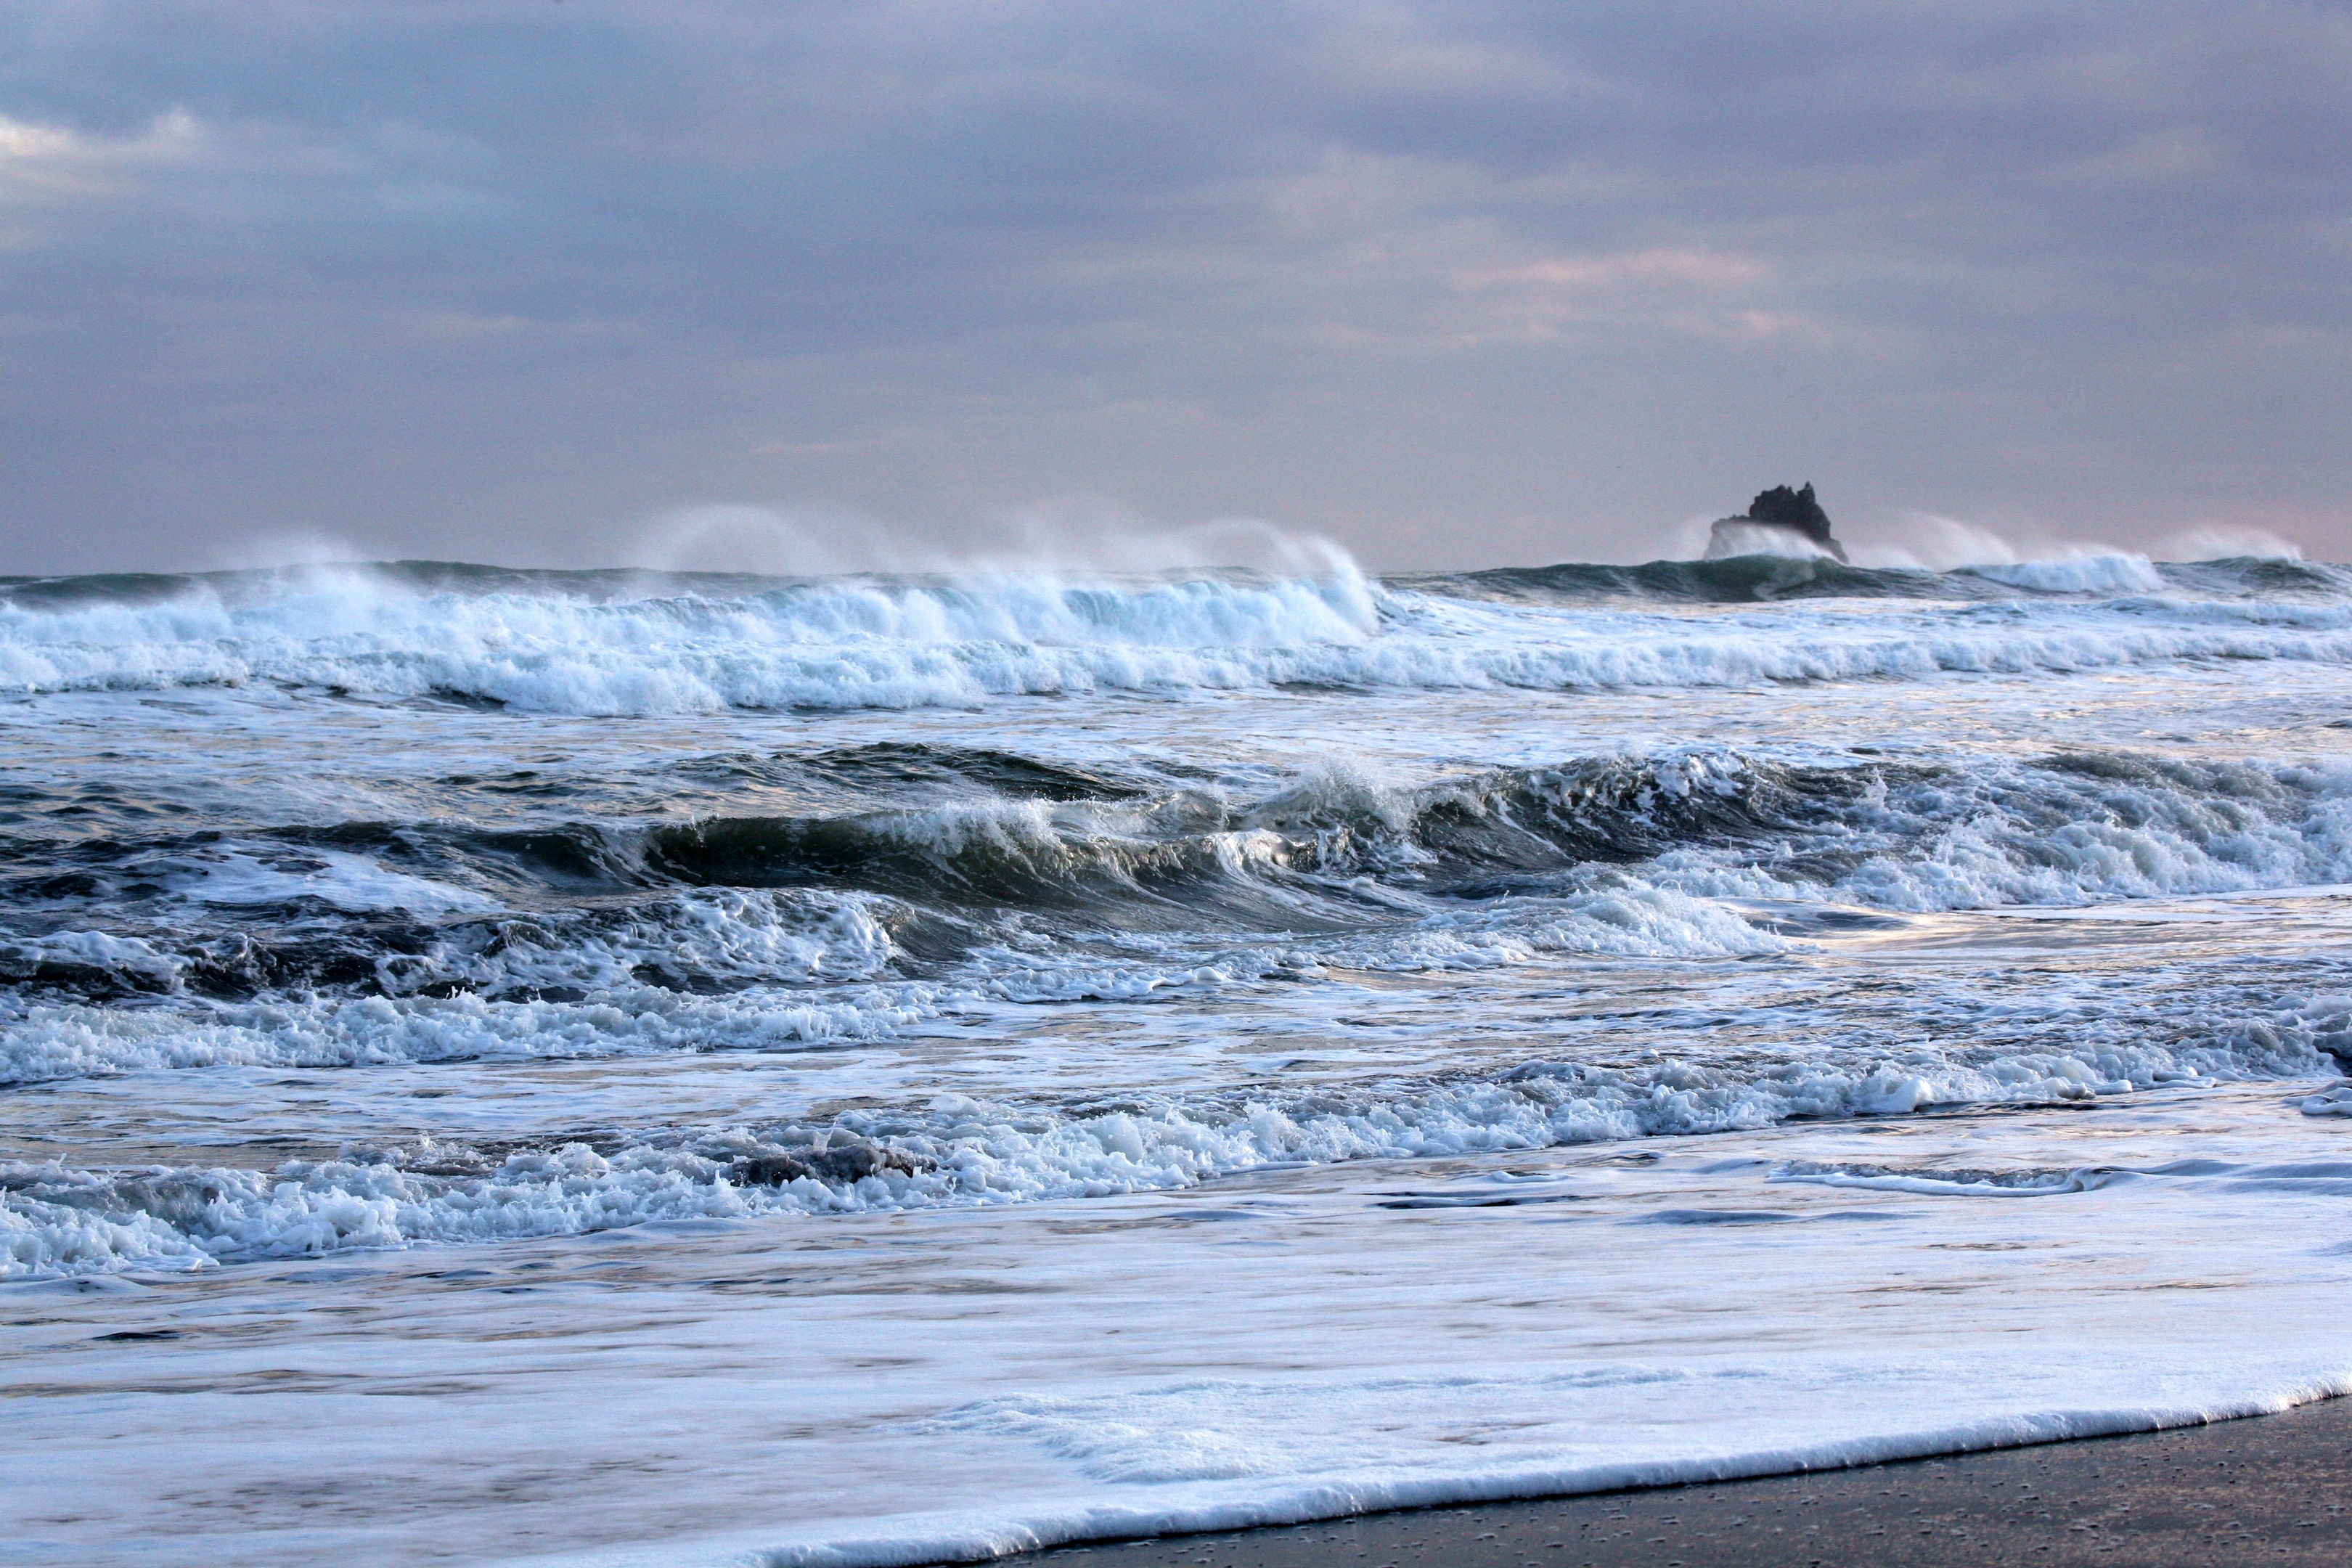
(2257, 1488)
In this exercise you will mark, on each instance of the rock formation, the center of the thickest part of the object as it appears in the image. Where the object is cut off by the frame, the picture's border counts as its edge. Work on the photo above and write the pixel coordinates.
(1767, 526)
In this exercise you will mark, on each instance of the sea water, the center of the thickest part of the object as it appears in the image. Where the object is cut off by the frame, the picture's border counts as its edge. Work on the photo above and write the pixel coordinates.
(697, 1069)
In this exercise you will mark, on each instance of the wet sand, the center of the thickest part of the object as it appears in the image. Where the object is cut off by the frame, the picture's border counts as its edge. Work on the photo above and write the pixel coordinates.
(2273, 1490)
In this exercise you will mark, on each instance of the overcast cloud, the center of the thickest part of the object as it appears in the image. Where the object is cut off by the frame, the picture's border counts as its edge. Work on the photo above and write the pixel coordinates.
(1451, 284)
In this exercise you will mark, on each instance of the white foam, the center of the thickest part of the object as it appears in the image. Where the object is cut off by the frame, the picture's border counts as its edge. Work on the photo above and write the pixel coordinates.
(350, 882)
(46, 1043)
(1996, 835)
(966, 1153)
(2117, 572)
(707, 935)
(1727, 541)
(1929, 542)
(853, 644)
(1945, 1184)
(1381, 1336)
(1277, 1085)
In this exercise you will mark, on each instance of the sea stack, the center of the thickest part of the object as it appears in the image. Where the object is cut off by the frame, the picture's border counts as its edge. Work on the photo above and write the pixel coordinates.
(1773, 523)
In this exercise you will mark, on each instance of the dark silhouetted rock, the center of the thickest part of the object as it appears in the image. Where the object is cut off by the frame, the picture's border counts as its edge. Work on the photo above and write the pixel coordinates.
(1778, 510)
(1784, 508)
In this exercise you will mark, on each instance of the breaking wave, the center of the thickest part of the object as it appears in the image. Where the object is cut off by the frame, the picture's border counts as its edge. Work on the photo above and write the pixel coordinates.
(629, 901)
(960, 1151)
(1089, 885)
(616, 643)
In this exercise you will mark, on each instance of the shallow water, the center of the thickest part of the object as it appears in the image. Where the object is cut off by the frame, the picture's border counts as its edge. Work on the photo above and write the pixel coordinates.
(425, 918)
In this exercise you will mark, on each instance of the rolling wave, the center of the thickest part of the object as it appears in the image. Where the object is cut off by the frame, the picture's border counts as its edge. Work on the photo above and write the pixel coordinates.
(1059, 882)
(58, 1220)
(616, 643)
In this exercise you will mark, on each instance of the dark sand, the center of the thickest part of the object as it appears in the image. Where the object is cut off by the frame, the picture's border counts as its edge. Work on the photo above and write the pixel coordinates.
(2277, 1489)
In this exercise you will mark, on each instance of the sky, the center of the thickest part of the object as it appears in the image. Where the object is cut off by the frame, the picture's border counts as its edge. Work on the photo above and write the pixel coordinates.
(804, 287)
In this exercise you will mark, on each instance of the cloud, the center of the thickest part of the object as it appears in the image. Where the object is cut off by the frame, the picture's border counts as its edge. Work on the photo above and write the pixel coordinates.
(46, 167)
(1446, 282)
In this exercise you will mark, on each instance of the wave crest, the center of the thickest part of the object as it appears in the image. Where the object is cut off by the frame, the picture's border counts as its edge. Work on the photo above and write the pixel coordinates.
(608, 644)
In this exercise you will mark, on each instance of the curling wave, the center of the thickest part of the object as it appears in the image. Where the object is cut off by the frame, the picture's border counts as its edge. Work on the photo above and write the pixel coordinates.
(1087, 885)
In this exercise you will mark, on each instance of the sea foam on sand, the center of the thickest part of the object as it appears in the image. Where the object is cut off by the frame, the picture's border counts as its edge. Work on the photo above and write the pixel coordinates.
(1293, 1344)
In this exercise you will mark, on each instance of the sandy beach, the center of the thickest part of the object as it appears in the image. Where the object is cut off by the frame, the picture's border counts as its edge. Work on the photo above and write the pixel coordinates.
(2267, 1490)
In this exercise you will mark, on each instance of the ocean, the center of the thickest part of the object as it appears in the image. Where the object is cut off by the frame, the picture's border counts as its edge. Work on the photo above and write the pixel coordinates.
(627, 1068)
